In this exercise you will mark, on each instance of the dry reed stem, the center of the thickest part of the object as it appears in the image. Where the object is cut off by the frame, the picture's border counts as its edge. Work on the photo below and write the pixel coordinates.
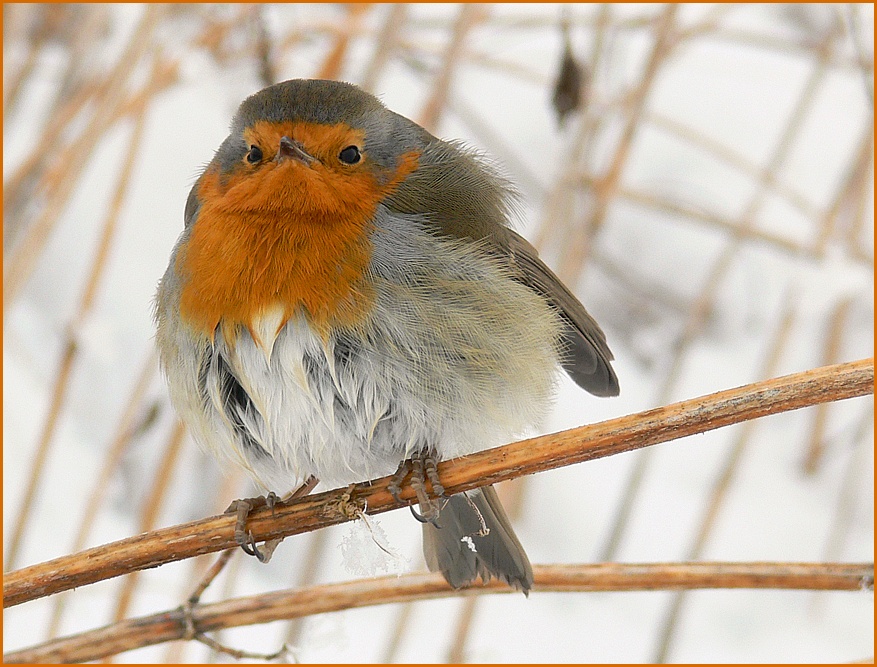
(557, 218)
(62, 180)
(852, 194)
(89, 21)
(525, 457)
(856, 468)
(863, 211)
(70, 344)
(33, 25)
(391, 651)
(633, 23)
(855, 195)
(830, 354)
(706, 29)
(601, 577)
(264, 49)
(727, 154)
(722, 485)
(469, 16)
(456, 654)
(34, 167)
(852, 24)
(646, 290)
(691, 212)
(166, 75)
(743, 37)
(334, 61)
(151, 506)
(18, 78)
(702, 305)
(124, 431)
(214, 37)
(19, 188)
(521, 71)
(306, 575)
(38, 464)
(578, 249)
(386, 45)
(598, 62)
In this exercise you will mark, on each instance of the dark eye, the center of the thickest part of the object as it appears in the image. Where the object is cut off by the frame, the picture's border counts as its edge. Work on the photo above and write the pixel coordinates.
(349, 155)
(255, 155)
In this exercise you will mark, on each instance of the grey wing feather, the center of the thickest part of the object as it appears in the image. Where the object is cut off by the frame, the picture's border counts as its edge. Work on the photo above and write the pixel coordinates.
(587, 358)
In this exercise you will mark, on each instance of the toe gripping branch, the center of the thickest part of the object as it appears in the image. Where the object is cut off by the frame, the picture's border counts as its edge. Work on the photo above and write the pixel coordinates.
(244, 537)
(243, 507)
(422, 467)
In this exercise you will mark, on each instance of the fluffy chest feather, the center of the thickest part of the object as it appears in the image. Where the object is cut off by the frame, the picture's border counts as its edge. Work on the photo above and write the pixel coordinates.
(454, 356)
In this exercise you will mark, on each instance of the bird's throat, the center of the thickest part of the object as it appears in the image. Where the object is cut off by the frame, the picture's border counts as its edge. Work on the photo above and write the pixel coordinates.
(237, 266)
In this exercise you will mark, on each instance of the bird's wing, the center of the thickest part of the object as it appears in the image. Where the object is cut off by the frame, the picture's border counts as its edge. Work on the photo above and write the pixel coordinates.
(586, 356)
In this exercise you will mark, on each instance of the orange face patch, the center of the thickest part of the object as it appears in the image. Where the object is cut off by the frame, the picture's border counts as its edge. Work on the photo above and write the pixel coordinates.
(285, 232)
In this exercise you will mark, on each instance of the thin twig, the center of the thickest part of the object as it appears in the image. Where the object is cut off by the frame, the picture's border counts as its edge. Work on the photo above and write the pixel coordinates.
(112, 458)
(547, 452)
(469, 16)
(702, 305)
(391, 651)
(237, 654)
(386, 43)
(334, 61)
(63, 179)
(151, 506)
(857, 467)
(70, 346)
(722, 484)
(306, 575)
(232, 486)
(830, 354)
(575, 257)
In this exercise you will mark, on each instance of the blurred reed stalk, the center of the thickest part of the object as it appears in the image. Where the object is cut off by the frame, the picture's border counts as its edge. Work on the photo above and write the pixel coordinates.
(575, 204)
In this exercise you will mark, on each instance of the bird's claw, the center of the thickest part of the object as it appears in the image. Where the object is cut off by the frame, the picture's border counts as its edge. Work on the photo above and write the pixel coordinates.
(422, 468)
(244, 538)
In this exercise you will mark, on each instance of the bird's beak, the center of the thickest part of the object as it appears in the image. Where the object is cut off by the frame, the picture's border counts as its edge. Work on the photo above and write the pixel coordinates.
(290, 148)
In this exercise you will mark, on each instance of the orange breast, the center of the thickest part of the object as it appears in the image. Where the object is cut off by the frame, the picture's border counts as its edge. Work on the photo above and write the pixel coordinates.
(289, 235)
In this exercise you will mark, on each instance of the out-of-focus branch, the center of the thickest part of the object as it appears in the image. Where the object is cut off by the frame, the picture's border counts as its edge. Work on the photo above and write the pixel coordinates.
(295, 603)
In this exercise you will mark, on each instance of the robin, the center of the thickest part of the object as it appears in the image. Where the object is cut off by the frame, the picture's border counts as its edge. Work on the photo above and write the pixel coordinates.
(347, 294)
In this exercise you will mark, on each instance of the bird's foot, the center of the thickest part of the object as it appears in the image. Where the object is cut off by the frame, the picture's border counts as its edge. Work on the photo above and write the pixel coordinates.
(243, 507)
(422, 468)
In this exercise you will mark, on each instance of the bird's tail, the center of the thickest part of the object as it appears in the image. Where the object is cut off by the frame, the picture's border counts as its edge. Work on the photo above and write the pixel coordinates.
(475, 538)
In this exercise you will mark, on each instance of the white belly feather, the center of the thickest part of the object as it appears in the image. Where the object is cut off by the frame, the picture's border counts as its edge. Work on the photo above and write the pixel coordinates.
(455, 357)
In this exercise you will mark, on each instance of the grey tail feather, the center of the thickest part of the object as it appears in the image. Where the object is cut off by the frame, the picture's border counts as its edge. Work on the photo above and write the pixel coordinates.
(457, 550)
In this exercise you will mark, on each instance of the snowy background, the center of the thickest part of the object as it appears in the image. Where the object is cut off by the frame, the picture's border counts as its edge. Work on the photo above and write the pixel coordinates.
(711, 203)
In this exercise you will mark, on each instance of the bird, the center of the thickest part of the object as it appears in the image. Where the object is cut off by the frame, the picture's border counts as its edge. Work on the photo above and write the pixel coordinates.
(348, 298)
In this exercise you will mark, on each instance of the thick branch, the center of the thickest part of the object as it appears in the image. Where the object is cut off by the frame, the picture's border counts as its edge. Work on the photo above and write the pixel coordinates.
(287, 604)
(576, 445)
